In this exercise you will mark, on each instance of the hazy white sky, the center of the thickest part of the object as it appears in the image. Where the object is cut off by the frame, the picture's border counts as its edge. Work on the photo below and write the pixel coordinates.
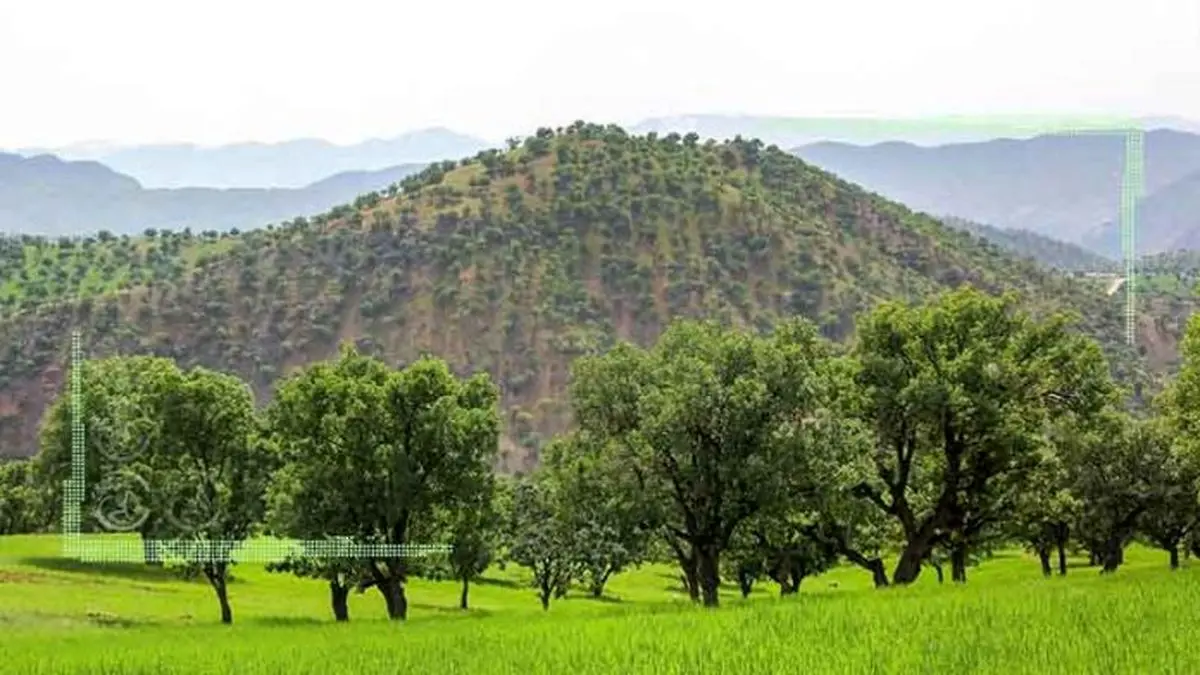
(217, 71)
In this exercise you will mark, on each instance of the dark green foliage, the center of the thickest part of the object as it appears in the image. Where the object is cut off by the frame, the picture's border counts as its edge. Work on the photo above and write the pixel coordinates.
(24, 503)
(387, 457)
(541, 538)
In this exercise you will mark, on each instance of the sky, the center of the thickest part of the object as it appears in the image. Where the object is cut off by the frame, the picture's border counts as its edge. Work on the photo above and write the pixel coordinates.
(221, 71)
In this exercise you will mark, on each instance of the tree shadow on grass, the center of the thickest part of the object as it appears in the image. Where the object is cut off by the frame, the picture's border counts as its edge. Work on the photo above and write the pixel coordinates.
(418, 610)
(67, 622)
(441, 609)
(499, 583)
(110, 620)
(603, 599)
(678, 588)
(129, 571)
(121, 570)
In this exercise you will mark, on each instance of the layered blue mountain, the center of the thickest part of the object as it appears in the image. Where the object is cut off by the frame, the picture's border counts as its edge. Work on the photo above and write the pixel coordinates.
(45, 195)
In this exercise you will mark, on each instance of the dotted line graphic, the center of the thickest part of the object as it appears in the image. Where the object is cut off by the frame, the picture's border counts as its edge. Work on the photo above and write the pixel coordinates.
(107, 548)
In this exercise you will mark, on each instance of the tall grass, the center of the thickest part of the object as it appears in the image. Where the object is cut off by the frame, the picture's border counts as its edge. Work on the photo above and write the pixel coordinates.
(1007, 619)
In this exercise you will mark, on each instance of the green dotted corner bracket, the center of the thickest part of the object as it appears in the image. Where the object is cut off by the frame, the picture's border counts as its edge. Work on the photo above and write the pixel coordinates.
(96, 548)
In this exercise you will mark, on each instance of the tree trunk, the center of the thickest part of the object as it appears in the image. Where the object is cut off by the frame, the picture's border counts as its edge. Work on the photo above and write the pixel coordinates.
(339, 594)
(797, 578)
(1062, 535)
(598, 583)
(544, 592)
(873, 565)
(788, 583)
(1173, 550)
(1093, 558)
(908, 568)
(690, 578)
(462, 598)
(215, 573)
(958, 564)
(1112, 556)
(1044, 556)
(878, 573)
(707, 559)
(937, 569)
(392, 590)
(745, 583)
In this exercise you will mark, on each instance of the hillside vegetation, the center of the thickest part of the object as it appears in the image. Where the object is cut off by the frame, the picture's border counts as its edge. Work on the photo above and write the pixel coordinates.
(1047, 251)
(514, 262)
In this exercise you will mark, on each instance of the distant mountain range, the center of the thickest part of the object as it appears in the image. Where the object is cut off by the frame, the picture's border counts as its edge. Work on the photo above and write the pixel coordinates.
(301, 162)
(292, 164)
(1167, 220)
(45, 195)
(790, 132)
(1064, 187)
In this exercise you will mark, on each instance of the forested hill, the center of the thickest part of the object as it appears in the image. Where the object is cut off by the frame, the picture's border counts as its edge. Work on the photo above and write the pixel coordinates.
(513, 261)
(1047, 251)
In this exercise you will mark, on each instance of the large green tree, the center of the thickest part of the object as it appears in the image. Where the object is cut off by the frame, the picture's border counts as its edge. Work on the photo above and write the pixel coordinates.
(1046, 507)
(1173, 517)
(120, 408)
(1180, 403)
(213, 470)
(473, 531)
(958, 391)
(373, 453)
(23, 503)
(716, 426)
(1114, 468)
(328, 412)
(1174, 509)
(609, 529)
(784, 546)
(540, 536)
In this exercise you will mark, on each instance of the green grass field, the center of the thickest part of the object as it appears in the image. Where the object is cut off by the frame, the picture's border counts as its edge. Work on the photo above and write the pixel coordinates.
(63, 616)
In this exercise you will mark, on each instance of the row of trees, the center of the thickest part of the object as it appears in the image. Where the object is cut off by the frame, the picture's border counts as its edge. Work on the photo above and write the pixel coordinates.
(944, 431)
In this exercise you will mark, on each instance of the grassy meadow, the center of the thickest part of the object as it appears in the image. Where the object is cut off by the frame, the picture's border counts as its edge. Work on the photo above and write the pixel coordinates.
(63, 616)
